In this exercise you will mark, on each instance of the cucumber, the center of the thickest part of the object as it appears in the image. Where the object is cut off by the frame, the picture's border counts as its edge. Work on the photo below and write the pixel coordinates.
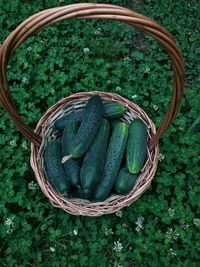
(83, 193)
(93, 163)
(125, 181)
(114, 157)
(75, 116)
(54, 169)
(72, 166)
(112, 110)
(88, 129)
(113, 123)
(136, 149)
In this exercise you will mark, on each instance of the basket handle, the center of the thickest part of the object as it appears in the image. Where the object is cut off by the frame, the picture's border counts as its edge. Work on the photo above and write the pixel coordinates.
(89, 11)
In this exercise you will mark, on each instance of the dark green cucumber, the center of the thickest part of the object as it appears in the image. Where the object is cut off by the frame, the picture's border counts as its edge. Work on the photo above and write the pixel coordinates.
(125, 181)
(83, 193)
(72, 166)
(75, 116)
(93, 163)
(54, 169)
(88, 129)
(113, 123)
(114, 157)
(136, 149)
(112, 110)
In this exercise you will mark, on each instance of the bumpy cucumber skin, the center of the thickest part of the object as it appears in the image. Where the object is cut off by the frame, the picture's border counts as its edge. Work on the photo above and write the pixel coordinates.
(72, 166)
(125, 181)
(93, 163)
(136, 149)
(90, 124)
(75, 116)
(54, 169)
(113, 110)
(114, 157)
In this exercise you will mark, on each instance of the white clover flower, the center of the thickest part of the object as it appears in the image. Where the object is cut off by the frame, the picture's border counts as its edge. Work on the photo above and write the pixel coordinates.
(108, 231)
(24, 80)
(180, 128)
(185, 226)
(138, 229)
(116, 264)
(134, 96)
(161, 157)
(117, 246)
(147, 70)
(75, 231)
(29, 48)
(26, 65)
(118, 88)
(155, 107)
(24, 145)
(9, 223)
(13, 142)
(196, 222)
(119, 213)
(52, 249)
(127, 59)
(32, 185)
(98, 31)
(139, 224)
(171, 252)
(172, 234)
(171, 212)
(86, 50)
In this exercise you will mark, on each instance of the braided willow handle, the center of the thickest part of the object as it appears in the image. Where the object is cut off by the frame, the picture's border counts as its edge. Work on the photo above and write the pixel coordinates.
(89, 11)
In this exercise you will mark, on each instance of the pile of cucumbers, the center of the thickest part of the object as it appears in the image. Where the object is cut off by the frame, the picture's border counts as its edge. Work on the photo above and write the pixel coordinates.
(96, 154)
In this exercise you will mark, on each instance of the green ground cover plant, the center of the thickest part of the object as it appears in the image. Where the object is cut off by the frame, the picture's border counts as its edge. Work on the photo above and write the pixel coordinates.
(162, 228)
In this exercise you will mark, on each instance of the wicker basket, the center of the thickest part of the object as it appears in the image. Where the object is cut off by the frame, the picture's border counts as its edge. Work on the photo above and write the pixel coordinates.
(43, 131)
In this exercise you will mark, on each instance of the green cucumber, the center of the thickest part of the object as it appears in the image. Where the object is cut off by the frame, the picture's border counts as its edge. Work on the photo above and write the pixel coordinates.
(113, 123)
(112, 110)
(125, 181)
(72, 166)
(114, 157)
(82, 193)
(93, 163)
(74, 116)
(136, 149)
(89, 127)
(54, 169)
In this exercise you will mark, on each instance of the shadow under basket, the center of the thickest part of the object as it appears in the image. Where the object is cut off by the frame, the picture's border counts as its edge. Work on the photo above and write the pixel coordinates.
(44, 130)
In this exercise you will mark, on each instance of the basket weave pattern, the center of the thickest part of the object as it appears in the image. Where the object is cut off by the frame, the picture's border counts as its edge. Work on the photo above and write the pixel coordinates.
(43, 131)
